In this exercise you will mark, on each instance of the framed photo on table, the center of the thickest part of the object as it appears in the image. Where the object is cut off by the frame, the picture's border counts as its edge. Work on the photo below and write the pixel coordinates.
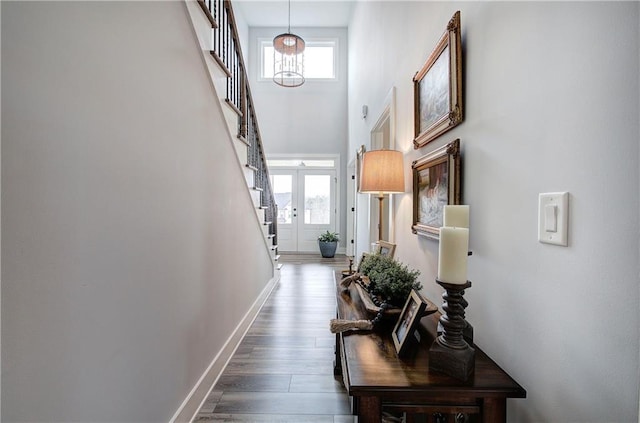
(405, 326)
(436, 183)
(437, 88)
(386, 248)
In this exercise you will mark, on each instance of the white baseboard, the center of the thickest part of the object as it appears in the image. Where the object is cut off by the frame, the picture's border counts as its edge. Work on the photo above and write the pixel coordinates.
(190, 406)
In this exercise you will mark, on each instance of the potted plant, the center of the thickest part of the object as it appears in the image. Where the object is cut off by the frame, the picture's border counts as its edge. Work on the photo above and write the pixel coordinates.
(328, 242)
(389, 280)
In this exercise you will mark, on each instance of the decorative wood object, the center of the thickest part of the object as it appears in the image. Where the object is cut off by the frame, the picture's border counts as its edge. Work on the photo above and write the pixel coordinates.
(438, 88)
(369, 320)
(376, 312)
(370, 306)
(450, 354)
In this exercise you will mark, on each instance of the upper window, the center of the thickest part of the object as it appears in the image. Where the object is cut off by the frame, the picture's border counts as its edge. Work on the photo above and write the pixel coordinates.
(295, 162)
(320, 59)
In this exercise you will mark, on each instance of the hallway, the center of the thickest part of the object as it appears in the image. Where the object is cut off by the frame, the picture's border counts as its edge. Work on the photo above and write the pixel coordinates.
(283, 369)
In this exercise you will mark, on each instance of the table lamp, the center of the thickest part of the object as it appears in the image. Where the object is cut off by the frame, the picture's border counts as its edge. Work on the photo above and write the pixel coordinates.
(382, 173)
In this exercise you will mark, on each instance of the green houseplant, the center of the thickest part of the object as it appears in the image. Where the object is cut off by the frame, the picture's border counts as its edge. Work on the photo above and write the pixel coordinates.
(328, 242)
(389, 279)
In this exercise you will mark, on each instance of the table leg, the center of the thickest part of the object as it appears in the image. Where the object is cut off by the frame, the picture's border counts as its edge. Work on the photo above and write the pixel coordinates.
(337, 361)
(369, 410)
(494, 410)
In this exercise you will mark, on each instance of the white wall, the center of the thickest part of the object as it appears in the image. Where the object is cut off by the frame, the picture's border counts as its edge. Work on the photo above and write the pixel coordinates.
(0, 221)
(126, 221)
(243, 32)
(551, 97)
(311, 119)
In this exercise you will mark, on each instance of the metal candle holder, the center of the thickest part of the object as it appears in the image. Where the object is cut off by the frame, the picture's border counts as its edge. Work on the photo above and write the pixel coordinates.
(450, 353)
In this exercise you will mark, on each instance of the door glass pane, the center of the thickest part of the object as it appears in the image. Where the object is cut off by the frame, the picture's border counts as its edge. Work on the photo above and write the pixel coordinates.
(317, 192)
(282, 187)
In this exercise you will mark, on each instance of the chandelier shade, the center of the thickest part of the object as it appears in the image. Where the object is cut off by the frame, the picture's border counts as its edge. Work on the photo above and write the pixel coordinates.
(288, 43)
(288, 58)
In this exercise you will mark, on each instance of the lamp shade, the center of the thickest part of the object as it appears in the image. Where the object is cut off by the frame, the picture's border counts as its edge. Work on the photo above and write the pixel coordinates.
(382, 172)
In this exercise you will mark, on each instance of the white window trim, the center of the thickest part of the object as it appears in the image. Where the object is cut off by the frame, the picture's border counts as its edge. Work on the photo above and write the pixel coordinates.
(310, 41)
(303, 157)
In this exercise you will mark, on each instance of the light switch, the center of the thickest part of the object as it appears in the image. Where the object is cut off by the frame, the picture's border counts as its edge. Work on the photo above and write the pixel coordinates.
(553, 218)
(550, 218)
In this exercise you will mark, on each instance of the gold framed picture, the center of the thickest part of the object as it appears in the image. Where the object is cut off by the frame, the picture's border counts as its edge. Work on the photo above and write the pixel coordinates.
(437, 88)
(436, 183)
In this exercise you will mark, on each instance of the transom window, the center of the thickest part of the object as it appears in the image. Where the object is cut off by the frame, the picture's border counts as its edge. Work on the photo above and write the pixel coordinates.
(320, 59)
(273, 163)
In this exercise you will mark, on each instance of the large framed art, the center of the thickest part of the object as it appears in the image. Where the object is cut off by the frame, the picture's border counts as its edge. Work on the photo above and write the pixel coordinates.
(438, 88)
(436, 183)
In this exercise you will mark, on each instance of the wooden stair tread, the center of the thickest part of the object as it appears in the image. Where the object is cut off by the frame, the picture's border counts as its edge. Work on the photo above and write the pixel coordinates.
(221, 65)
(208, 14)
(233, 107)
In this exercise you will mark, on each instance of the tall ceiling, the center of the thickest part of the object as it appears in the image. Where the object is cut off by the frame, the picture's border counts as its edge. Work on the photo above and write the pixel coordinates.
(304, 13)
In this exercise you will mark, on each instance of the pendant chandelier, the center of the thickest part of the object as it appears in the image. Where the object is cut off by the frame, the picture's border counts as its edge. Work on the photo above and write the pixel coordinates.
(288, 58)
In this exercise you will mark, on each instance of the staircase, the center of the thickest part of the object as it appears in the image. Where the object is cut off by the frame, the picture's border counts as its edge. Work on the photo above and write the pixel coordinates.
(228, 74)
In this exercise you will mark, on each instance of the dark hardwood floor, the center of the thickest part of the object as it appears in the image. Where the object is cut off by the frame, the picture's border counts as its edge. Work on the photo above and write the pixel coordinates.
(283, 369)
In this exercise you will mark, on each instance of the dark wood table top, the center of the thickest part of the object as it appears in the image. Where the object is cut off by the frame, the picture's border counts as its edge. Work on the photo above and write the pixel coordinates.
(371, 366)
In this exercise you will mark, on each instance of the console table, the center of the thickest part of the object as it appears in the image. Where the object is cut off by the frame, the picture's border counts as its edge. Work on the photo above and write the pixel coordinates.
(376, 378)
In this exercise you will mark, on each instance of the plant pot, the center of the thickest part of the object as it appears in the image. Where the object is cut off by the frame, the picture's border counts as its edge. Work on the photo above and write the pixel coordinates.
(328, 249)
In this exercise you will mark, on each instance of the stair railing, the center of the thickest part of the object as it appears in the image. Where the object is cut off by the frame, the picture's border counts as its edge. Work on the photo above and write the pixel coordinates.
(228, 54)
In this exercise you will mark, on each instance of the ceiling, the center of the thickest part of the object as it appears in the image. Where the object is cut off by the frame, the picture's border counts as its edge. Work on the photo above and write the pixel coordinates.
(304, 13)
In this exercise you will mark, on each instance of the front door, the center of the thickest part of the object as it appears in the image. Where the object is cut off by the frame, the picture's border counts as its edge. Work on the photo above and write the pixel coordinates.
(306, 207)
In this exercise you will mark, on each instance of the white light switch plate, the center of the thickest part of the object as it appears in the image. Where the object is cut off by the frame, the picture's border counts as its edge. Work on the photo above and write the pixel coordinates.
(546, 203)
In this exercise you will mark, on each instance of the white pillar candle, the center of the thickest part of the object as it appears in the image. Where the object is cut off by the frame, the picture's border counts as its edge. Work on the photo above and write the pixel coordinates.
(452, 259)
(456, 216)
